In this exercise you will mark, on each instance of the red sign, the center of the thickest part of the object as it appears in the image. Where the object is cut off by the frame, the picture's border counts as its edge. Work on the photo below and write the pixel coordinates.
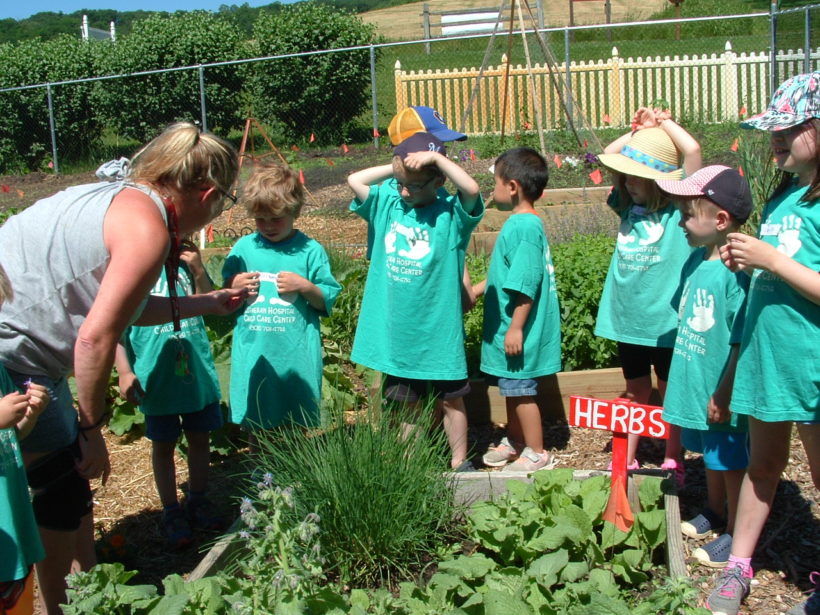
(617, 416)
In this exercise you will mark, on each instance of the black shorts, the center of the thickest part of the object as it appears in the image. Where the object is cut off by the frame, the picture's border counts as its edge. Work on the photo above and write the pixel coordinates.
(637, 361)
(410, 391)
(61, 497)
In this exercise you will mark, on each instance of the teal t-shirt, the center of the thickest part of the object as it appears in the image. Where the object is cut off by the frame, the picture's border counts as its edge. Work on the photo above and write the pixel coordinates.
(636, 305)
(521, 263)
(710, 299)
(778, 374)
(276, 358)
(176, 370)
(20, 544)
(410, 324)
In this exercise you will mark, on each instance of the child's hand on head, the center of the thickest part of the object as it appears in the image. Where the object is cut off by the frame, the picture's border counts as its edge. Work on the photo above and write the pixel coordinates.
(418, 160)
(289, 282)
(13, 408)
(38, 399)
(644, 118)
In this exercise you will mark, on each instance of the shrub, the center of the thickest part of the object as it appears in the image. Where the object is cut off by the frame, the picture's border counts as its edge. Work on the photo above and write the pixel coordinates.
(580, 270)
(25, 135)
(384, 503)
(137, 107)
(321, 93)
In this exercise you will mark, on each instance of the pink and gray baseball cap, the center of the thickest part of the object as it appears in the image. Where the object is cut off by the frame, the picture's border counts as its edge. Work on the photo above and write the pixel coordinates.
(797, 100)
(724, 186)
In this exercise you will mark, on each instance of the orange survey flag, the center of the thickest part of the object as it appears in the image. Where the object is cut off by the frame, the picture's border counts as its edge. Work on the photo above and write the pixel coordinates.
(596, 176)
(301, 177)
(345, 148)
(606, 119)
(210, 233)
(557, 160)
(312, 138)
(376, 132)
(734, 146)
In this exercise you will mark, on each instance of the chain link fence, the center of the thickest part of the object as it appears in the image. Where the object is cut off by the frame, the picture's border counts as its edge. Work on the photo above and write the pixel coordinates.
(707, 69)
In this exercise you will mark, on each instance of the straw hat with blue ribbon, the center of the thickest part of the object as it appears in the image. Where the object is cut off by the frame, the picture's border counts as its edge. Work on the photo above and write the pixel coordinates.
(650, 153)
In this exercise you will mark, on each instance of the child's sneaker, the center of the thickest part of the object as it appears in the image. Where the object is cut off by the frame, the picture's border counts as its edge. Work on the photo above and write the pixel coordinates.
(676, 467)
(200, 515)
(635, 465)
(812, 605)
(716, 553)
(703, 525)
(177, 529)
(500, 455)
(530, 461)
(732, 588)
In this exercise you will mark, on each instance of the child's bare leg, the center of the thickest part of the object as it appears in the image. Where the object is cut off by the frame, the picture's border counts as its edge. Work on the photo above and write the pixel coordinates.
(768, 458)
(638, 390)
(515, 432)
(716, 491)
(455, 426)
(810, 435)
(199, 459)
(60, 547)
(162, 460)
(674, 450)
(529, 419)
(732, 479)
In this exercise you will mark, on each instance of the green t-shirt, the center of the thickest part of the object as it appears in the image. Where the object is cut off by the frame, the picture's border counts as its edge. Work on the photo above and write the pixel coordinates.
(643, 275)
(20, 544)
(410, 324)
(276, 358)
(521, 263)
(710, 299)
(778, 374)
(176, 370)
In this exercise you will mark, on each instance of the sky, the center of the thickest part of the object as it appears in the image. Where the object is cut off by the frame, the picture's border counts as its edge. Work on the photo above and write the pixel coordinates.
(21, 10)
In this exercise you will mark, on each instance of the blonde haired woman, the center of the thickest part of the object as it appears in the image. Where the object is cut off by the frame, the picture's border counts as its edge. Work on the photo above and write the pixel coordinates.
(82, 264)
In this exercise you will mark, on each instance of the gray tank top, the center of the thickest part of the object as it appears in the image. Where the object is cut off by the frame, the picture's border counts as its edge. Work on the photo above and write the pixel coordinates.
(55, 257)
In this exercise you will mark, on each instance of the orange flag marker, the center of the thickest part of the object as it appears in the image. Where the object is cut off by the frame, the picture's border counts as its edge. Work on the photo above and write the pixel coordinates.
(557, 160)
(742, 111)
(376, 132)
(472, 154)
(740, 170)
(596, 176)
(312, 138)
(5, 188)
(734, 146)
(345, 148)
(301, 177)
(329, 162)
(586, 145)
(294, 148)
(606, 119)
(210, 233)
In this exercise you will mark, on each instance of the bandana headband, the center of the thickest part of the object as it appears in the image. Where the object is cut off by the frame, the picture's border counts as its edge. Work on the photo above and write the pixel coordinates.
(647, 160)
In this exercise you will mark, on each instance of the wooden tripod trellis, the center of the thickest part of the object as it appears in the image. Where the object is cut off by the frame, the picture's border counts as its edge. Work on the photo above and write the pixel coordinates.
(564, 94)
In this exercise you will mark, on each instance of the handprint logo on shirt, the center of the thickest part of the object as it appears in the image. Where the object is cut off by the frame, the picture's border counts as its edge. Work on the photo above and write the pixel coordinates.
(624, 233)
(703, 311)
(789, 235)
(417, 241)
(654, 230)
(683, 297)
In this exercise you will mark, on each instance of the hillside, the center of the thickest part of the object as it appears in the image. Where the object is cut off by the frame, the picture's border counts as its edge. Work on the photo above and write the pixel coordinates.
(404, 22)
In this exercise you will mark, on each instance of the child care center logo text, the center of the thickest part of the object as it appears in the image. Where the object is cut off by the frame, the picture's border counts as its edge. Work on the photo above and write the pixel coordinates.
(405, 247)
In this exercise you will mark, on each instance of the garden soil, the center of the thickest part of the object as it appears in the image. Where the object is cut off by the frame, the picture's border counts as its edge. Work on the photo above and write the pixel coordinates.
(127, 509)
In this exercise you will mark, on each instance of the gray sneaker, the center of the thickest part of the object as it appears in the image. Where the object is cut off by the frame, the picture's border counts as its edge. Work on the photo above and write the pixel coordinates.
(732, 588)
(812, 605)
(500, 455)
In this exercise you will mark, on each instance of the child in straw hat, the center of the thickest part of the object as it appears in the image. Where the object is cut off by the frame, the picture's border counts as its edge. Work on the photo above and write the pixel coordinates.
(636, 307)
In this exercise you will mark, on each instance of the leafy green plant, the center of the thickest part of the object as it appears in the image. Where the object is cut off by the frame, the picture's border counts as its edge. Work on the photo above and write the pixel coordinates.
(384, 503)
(477, 265)
(580, 270)
(759, 168)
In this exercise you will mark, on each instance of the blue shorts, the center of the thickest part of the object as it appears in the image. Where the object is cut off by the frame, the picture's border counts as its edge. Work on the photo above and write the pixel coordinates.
(722, 450)
(410, 391)
(58, 425)
(168, 427)
(517, 387)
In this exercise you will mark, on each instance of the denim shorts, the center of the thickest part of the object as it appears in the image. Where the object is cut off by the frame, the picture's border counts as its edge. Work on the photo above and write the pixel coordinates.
(168, 427)
(410, 391)
(722, 450)
(57, 426)
(517, 387)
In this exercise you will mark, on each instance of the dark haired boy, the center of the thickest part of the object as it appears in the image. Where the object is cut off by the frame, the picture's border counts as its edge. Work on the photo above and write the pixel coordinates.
(522, 327)
(713, 202)
(410, 326)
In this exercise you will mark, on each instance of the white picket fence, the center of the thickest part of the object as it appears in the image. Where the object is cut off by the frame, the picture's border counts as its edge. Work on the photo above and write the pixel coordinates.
(707, 88)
